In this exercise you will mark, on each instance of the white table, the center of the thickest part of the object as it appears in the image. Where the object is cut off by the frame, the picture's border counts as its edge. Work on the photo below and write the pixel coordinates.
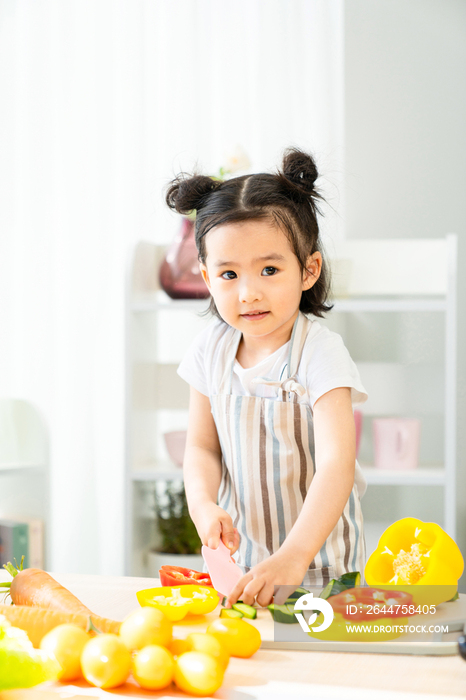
(115, 597)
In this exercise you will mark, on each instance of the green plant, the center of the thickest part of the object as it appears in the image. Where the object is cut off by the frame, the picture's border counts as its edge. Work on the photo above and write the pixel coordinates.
(176, 529)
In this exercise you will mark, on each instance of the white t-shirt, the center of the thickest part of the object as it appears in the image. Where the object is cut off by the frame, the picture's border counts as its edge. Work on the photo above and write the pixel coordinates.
(325, 364)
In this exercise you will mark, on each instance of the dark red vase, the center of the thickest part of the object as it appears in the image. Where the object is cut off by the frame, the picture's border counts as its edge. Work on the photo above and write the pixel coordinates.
(179, 273)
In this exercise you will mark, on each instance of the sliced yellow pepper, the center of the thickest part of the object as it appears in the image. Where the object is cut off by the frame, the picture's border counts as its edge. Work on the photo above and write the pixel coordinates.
(411, 554)
(177, 602)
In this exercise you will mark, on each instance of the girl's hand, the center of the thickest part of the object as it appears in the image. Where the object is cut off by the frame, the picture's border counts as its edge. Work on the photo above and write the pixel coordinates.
(280, 569)
(213, 524)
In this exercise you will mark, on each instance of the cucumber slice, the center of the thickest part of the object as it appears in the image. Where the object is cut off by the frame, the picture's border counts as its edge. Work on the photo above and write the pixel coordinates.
(351, 579)
(328, 590)
(283, 613)
(230, 612)
(297, 594)
(247, 610)
(338, 585)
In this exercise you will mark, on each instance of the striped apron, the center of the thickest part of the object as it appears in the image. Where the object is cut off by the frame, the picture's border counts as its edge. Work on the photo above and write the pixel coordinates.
(267, 467)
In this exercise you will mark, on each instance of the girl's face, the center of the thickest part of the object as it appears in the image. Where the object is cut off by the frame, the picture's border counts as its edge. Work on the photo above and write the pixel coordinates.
(255, 278)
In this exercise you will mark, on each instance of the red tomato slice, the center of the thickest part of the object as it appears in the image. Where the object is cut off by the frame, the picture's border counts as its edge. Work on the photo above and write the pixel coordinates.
(370, 602)
(179, 576)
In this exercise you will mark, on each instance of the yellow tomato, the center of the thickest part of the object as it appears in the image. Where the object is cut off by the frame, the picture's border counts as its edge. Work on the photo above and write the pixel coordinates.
(239, 637)
(198, 673)
(146, 626)
(153, 667)
(105, 661)
(178, 647)
(201, 641)
(66, 643)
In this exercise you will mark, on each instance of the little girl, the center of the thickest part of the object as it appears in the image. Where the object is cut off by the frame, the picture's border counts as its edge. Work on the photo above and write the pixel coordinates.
(270, 464)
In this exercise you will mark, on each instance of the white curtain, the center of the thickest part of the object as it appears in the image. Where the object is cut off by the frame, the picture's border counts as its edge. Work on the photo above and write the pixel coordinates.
(101, 103)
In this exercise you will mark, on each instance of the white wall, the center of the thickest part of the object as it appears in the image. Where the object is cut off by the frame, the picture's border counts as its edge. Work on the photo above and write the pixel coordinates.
(405, 135)
(102, 102)
(405, 83)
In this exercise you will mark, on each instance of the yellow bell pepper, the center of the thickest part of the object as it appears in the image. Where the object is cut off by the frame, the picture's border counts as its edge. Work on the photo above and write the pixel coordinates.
(412, 554)
(177, 602)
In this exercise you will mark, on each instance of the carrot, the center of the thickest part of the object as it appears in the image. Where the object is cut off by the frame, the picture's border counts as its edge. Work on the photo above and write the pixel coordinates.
(36, 622)
(36, 588)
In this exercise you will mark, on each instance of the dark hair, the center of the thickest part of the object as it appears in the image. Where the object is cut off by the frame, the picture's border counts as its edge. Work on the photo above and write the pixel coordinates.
(289, 198)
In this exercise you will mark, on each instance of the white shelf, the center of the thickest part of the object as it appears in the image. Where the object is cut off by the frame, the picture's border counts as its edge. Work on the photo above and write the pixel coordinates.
(157, 472)
(162, 301)
(24, 459)
(377, 305)
(433, 476)
(415, 477)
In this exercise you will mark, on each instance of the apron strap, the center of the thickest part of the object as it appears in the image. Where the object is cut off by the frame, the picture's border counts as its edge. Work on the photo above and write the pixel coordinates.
(298, 338)
(288, 384)
(232, 342)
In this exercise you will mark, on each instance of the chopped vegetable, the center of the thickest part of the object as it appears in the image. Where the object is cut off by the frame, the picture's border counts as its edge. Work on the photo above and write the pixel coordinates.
(338, 585)
(229, 612)
(177, 602)
(384, 613)
(297, 593)
(364, 603)
(247, 610)
(350, 579)
(180, 576)
(414, 553)
(283, 613)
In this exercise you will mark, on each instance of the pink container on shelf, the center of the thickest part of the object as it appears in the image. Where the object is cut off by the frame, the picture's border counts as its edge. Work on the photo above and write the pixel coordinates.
(396, 443)
(175, 441)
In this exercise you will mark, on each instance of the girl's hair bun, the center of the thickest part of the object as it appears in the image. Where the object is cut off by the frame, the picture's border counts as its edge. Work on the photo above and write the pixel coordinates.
(186, 193)
(300, 169)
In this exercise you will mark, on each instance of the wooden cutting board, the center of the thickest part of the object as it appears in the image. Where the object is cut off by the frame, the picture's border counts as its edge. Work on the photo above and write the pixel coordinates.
(280, 636)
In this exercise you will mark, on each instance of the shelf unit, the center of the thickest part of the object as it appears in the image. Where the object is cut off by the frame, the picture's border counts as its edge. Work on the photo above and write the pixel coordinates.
(371, 287)
(24, 477)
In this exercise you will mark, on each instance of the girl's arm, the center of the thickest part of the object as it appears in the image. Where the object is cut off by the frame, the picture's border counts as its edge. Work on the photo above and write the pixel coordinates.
(335, 455)
(202, 469)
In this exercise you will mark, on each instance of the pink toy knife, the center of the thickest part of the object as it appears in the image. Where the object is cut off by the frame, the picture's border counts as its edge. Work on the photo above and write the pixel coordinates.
(224, 572)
